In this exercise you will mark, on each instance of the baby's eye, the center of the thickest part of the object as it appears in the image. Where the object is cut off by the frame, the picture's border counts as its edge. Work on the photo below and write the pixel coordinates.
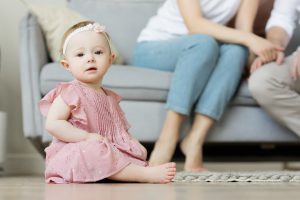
(98, 52)
(79, 54)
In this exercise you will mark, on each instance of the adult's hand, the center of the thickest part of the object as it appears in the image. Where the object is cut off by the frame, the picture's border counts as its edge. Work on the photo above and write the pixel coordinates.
(258, 61)
(295, 70)
(266, 50)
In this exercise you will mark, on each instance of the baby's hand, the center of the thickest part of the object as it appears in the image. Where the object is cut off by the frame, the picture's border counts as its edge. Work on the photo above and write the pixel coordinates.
(94, 137)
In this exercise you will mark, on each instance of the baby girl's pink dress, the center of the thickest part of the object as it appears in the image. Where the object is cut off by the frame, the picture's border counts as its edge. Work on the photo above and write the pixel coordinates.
(90, 161)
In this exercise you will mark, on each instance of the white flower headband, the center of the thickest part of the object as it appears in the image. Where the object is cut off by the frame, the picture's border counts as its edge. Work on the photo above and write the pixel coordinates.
(90, 27)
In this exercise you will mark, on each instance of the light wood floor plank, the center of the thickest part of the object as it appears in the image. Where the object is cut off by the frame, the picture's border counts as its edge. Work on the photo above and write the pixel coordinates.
(34, 188)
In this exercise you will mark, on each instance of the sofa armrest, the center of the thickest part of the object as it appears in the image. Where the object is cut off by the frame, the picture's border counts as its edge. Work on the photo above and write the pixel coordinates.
(33, 56)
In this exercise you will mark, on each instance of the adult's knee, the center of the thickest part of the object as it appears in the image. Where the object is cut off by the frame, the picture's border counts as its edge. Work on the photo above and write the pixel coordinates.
(235, 56)
(259, 85)
(237, 51)
(203, 43)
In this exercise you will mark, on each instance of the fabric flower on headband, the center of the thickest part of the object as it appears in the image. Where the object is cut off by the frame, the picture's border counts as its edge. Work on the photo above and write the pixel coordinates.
(90, 27)
(98, 28)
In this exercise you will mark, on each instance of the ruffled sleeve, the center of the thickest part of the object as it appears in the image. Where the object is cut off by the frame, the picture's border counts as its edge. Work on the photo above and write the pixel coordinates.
(46, 102)
(70, 96)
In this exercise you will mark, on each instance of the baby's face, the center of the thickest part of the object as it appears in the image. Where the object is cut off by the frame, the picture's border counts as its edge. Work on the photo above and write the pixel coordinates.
(88, 56)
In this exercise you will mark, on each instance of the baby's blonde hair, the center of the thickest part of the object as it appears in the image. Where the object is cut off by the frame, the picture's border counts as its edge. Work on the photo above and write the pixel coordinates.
(77, 26)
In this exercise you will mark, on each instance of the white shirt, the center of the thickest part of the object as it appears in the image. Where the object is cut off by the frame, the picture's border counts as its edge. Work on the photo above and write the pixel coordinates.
(168, 22)
(284, 15)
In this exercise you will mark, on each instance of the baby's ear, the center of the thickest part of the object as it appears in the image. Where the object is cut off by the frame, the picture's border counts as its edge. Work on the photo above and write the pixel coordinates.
(113, 57)
(65, 64)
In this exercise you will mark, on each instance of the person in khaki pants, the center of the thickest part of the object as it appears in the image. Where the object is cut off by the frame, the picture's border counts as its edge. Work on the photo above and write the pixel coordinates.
(275, 79)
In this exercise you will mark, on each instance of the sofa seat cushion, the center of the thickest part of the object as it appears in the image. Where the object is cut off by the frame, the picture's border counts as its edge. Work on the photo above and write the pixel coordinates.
(132, 83)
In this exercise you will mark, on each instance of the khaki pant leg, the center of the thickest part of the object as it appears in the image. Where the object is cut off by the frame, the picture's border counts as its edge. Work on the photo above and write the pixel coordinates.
(276, 92)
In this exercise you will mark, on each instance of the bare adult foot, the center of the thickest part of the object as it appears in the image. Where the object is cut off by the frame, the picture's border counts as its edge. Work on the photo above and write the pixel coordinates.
(202, 169)
(162, 152)
(192, 149)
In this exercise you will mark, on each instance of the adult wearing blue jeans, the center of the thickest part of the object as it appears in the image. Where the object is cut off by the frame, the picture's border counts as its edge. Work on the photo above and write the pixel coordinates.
(190, 39)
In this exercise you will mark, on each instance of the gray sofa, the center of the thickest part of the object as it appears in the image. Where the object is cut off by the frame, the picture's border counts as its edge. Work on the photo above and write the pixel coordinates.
(144, 91)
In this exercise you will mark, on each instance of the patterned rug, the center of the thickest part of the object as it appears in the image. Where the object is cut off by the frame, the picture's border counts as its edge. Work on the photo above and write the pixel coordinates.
(261, 176)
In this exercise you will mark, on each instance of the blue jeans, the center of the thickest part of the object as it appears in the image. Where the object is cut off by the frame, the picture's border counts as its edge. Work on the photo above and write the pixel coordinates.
(206, 72)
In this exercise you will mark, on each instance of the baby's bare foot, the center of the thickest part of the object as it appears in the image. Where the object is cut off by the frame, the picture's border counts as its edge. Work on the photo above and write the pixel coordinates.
(162, 152)
(160, 174)
(193, 154)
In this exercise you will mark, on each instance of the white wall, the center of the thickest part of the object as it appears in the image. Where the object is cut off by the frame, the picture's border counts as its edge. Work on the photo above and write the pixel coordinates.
(21, 157)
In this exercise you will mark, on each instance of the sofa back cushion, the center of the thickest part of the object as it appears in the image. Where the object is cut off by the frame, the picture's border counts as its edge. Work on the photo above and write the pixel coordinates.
(124, 19)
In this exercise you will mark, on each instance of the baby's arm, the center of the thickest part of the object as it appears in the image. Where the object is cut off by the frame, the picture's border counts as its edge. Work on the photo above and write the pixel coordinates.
(58, 126)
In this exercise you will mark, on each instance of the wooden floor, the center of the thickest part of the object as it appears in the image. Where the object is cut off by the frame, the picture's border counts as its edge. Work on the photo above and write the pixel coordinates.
(34, 188)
